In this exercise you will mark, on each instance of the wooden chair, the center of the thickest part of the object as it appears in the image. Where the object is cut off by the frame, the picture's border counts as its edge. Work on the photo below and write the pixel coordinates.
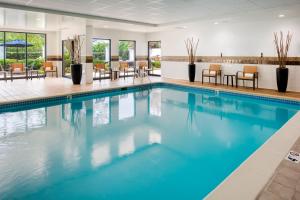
(124, 67)
(48, 67)
(100, 67)
(248, 74)
(2, 71)
(213, 72)
(17, 68)
(143, 69)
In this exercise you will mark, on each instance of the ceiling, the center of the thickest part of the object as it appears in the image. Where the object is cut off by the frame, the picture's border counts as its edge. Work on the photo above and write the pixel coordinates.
(139, 15)
(158, 12)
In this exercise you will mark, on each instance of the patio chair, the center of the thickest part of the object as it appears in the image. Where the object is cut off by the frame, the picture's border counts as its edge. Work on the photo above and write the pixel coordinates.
(3, 72)
(142, 69)
(100, 68)
(248, 74)
(48, 67)
(17, 69)
(213, 72)
(124, 67)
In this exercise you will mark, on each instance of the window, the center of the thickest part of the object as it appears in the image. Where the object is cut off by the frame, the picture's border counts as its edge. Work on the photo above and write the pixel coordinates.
(36, 50)
(127, 50)
(66, 62)
(26, 48)
(15, 48)
(154, 55)
(1, 50)
(101, 54)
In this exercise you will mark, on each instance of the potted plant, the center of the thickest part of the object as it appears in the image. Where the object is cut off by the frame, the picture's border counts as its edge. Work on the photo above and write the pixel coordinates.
(282, 48)
(191, 47)
(74, 47)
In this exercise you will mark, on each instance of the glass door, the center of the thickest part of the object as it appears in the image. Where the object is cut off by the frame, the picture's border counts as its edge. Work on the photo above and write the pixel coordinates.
(101, 57)
(154, 56)
(66, 61)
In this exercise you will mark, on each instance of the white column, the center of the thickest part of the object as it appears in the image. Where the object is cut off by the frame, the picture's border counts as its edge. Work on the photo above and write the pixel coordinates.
(89, 53)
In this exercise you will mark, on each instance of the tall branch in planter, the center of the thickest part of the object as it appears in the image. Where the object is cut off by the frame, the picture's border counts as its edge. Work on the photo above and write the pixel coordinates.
(74, 47)
(191, 47)
(282, 47)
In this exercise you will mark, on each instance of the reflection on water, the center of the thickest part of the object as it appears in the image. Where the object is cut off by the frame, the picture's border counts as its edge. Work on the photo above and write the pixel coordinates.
(132, 141)
(20, 122)
(126, 106)
(101, 112)
(126, 146)
(100, 155)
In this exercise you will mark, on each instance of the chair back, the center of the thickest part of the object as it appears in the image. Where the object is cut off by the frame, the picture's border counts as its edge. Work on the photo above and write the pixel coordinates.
(214, 67)
(124, 65)
(99, 66)
(17, 67)
(48, 66)
(142, 65)
(250, 69)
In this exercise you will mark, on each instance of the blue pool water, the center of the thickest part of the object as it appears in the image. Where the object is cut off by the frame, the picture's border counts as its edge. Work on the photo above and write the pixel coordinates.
(163, 143)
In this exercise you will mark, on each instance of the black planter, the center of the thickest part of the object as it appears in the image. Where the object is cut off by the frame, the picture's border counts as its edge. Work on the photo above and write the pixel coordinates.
(282, 79)
(192, 72)
(76, 72)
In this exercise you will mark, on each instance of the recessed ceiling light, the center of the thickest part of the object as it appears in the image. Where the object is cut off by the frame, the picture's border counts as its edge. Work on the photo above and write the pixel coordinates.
(105, 26)
(281, 16)
(216, 23)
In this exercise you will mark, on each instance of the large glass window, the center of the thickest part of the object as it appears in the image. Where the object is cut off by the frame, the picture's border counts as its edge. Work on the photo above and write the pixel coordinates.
(1, 51)
(154, 55)
(36, 50)
(101, 55)
(26, 48)
(127, 50)
(66, 64)
(15, 48)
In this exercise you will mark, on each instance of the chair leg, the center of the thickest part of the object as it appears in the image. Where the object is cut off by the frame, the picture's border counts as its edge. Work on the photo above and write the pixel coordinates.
(202, 78)
(216, 80)
(254, 84)
(257, 83)
(236, 82)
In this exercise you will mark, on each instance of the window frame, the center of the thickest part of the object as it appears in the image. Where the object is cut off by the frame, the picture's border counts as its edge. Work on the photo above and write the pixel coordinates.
(26, 48)
(133, 48)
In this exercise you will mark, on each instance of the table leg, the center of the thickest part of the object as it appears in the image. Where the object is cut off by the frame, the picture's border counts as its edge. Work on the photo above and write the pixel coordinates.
(231, 81)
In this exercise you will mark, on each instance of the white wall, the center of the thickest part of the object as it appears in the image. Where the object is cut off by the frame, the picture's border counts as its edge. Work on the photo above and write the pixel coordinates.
(232, 39)
(116, 35)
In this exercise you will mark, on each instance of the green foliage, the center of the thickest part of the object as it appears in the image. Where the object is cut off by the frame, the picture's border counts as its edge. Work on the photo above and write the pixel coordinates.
(156, 64)
(35, 53)
(99, 50)
(35, 63)
(124, 47)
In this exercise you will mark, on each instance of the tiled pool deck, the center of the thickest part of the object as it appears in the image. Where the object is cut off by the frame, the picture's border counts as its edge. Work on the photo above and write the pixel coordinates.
(20, 90)
(285, 182)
